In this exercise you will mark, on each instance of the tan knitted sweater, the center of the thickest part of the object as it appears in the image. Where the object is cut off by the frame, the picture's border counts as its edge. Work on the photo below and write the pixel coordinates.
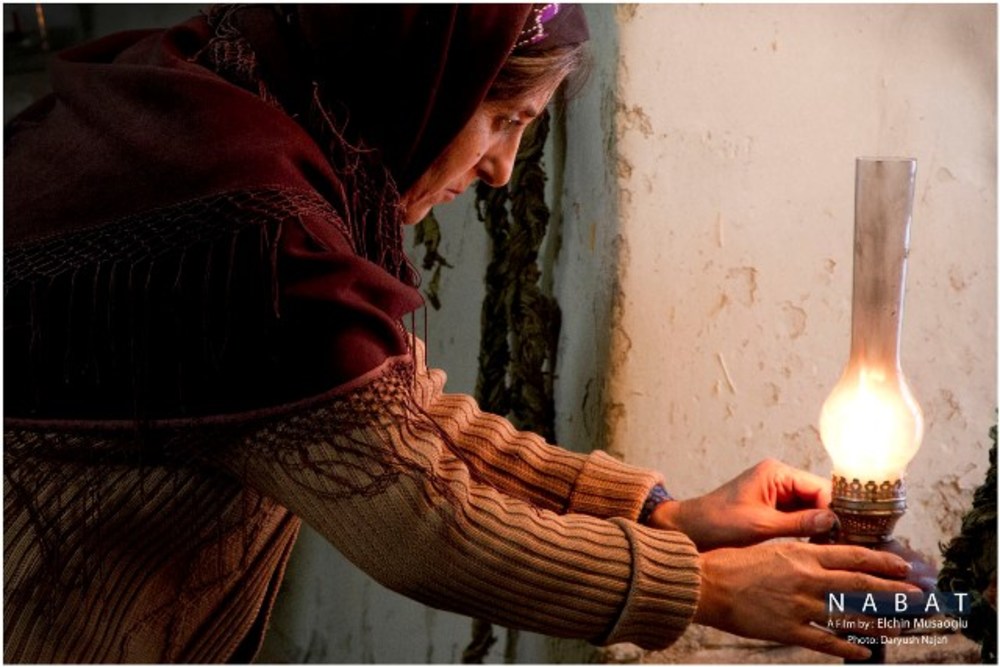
(497, 525)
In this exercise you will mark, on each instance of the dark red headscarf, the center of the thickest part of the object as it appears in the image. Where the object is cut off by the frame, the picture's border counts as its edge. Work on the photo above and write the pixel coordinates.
(408, 76)
(136, 124)
(178, 244)
(418, 72)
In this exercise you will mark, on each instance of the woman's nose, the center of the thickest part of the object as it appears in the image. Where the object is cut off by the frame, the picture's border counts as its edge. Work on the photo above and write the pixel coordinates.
(497, 164)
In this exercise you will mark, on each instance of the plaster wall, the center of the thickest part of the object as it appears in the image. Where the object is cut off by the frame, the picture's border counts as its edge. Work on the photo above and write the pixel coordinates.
(737, 129)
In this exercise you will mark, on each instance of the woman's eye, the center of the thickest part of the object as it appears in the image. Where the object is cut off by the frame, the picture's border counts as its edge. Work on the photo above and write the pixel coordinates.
(511, 122)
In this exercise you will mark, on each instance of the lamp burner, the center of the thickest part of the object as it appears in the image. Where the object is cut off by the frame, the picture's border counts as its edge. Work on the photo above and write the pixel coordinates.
(868, 511)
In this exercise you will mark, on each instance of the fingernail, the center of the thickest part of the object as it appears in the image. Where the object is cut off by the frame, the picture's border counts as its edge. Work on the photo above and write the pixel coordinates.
(822, 523)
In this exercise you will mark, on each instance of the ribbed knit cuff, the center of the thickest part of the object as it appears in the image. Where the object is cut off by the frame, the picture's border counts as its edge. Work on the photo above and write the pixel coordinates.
(606, 487)
(663, 593)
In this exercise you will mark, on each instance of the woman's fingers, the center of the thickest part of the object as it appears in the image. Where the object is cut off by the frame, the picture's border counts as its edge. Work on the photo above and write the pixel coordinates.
(856, 581)
(846, 638)
(860, 559)
(805, 523)
(862, 569)
(844, 623)
(789, 584)
(799, 488)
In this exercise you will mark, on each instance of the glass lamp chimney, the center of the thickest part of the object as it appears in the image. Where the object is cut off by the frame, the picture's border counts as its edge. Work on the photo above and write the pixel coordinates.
(870, 424)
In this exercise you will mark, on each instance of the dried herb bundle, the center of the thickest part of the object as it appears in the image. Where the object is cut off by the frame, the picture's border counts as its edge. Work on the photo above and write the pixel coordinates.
(971, 562)
(520, 324)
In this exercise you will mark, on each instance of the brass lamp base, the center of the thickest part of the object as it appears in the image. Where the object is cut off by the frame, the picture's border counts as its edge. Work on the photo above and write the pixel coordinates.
(868, 511)
(868, 514)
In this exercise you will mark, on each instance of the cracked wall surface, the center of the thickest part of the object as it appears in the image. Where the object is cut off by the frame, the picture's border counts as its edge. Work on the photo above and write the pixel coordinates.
(736, 130)
(739, 126)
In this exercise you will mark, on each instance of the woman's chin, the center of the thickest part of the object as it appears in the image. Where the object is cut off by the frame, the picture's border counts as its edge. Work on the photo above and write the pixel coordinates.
(412, 216)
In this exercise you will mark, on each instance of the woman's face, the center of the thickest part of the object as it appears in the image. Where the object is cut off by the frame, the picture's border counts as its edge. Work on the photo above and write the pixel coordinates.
(484, 149)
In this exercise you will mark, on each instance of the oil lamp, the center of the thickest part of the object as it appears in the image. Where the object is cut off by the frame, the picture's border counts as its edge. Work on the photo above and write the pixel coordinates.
(870, 424)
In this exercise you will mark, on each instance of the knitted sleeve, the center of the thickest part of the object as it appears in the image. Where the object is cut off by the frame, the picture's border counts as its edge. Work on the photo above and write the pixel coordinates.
(449, 506)
(521, 464)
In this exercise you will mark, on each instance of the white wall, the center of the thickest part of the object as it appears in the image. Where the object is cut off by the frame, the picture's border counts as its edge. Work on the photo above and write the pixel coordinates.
(738, 126)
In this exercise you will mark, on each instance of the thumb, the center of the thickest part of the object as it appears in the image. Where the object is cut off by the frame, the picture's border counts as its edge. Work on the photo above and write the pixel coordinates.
(805, 523)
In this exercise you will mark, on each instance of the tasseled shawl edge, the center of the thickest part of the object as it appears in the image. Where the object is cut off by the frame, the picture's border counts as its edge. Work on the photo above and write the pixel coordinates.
(367, 193)
(85, 306)
(73, 500)
(96, 309)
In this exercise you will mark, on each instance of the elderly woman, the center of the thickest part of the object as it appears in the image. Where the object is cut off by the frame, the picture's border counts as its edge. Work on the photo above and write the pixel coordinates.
(205, 289)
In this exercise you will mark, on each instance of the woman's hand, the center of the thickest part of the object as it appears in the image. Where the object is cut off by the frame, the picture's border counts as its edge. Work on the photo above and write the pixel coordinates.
(775, 591)
(769, 500)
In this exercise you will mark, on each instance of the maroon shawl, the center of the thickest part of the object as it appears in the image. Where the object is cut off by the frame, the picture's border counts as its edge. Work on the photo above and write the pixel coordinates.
(203, 236)
(180, 246)
(203, 233)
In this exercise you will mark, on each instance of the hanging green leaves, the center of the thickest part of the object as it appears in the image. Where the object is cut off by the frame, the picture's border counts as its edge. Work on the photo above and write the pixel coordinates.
(970, 561)
(520, 324)
(428, 234)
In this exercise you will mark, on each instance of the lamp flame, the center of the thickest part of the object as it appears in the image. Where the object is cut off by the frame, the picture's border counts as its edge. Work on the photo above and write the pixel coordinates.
(871, 425)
